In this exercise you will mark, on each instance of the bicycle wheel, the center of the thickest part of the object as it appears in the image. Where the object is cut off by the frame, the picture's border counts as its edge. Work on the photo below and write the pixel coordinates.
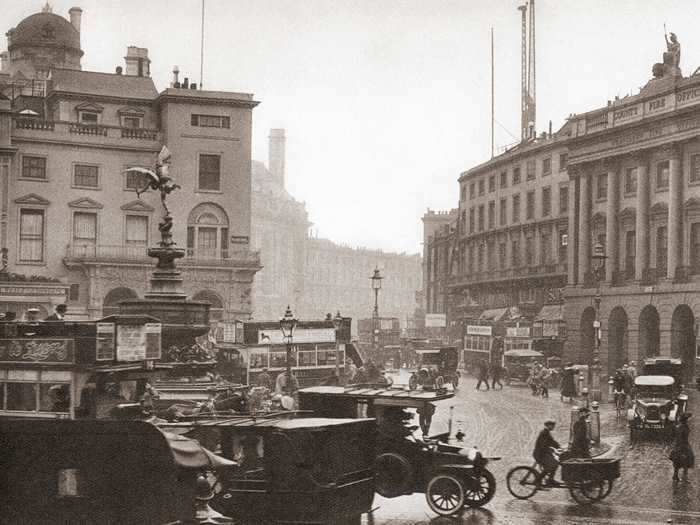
(588, 491)
(523, 482)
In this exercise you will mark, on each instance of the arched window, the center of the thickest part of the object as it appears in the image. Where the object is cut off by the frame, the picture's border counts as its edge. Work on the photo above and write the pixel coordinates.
(216, 308)
(207, 232)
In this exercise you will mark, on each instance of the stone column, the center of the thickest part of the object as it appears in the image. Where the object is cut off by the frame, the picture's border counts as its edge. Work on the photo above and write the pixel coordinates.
(642, 218)
(675, 231)
(572, 235)
(537, 239)
(584, 227)
(611, 227)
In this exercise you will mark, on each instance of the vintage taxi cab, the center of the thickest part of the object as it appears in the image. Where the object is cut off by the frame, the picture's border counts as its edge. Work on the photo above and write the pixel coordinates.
(656, 405)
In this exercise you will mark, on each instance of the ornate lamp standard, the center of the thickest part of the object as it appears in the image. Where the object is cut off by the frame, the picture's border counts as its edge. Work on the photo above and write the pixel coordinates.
(337, 323)
(376, 286)
(598, 273)
(288, 323)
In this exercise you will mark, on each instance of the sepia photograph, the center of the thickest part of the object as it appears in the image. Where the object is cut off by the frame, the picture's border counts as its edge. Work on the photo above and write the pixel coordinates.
(349, 262)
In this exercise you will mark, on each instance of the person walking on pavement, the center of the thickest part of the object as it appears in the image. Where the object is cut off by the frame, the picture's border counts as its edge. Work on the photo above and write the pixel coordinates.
(496, 371)
(682, 454)
(568, 384)
(580, 444)
(483, 375)
(542, 378)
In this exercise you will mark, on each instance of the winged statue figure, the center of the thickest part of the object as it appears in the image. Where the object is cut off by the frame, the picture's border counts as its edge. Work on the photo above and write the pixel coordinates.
(157, 179)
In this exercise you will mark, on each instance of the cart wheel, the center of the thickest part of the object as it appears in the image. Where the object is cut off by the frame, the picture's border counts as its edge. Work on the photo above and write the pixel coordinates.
(479, 490)
(588, 491)
(439, 382)
(523, 482)
(608, 485)
(393, 475)
(413, 382)
(445, 494)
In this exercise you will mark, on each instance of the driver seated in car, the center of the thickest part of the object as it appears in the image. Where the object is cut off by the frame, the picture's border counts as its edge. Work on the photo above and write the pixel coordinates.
(544, 452)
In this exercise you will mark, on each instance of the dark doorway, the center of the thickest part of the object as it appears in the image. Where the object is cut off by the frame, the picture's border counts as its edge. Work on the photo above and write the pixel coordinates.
(617, 339)
(683, 340)
(587, 335)
(649, 332)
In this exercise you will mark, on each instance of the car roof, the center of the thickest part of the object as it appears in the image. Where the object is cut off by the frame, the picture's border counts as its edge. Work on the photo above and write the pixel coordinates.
(523, 353)
(654, 381)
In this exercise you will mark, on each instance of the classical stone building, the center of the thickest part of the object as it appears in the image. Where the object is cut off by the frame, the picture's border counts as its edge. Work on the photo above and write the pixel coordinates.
(69, 211)
(280, 227)
(635, 180)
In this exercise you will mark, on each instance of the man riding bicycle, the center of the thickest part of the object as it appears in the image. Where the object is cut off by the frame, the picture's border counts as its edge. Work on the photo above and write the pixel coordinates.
(546, 448)
(619, 389)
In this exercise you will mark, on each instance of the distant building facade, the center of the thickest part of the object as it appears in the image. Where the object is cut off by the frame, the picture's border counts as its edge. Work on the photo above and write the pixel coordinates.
(69, 211)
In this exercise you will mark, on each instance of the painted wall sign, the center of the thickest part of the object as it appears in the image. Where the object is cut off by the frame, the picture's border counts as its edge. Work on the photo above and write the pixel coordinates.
(49, 351)
(301, 335)
(479, 330)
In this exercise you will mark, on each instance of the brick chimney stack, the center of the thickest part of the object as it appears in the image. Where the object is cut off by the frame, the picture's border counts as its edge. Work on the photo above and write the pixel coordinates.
(137, 62)
(75, 15)
(276, 155)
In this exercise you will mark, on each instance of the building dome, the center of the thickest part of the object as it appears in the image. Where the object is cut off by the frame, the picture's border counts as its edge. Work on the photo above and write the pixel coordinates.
(44, 29)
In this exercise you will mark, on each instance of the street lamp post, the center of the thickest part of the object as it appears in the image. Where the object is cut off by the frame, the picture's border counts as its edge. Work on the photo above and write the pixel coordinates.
(376, 286)
(598, 269)
(288, 323)
(337, 324)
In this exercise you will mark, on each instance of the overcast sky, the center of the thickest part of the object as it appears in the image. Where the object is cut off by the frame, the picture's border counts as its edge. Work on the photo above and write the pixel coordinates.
(386, 102)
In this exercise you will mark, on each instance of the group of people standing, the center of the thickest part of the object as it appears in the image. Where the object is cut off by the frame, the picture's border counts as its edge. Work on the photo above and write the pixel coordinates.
(485, 371)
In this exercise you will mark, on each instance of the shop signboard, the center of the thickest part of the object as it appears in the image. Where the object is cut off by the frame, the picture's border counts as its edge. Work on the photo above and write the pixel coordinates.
(479, 330)
(435, 320)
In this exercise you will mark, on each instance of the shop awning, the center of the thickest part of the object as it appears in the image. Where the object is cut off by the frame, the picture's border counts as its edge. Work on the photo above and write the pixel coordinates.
(551, 312)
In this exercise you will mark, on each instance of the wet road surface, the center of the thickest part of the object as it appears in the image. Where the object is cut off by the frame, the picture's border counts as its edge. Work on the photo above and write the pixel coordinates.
(506, 422)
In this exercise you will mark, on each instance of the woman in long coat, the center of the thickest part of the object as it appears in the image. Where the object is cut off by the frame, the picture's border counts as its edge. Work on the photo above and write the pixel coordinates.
(682, 453)
(568, 385)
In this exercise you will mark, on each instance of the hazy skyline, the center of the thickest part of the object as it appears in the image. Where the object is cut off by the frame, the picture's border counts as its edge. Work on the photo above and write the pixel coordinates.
(386, 103)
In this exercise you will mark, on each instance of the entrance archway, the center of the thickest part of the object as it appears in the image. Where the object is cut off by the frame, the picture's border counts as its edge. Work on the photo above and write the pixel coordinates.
(617, 339)
(649, 332)
(587, 335)
(110, 304)
(683, 339)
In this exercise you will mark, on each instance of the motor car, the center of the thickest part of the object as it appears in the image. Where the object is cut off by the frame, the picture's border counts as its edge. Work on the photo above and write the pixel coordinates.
(656, 405)
(437, 367)
(518, 364)
(451, 476)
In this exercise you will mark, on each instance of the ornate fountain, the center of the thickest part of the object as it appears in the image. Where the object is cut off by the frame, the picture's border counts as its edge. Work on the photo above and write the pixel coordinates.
(182, 320)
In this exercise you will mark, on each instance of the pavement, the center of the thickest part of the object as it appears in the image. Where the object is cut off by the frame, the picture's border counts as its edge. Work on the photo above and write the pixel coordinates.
(505, 423)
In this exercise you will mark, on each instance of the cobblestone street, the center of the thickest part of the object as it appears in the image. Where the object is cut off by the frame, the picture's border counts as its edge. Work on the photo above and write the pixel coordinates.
(505, 423)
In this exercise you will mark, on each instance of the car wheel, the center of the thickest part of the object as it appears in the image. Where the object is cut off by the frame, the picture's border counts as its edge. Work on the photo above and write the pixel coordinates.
(455, 380)
(393, 475)
(522, 482)
(445, 494)
(412, 382)
(479, 489)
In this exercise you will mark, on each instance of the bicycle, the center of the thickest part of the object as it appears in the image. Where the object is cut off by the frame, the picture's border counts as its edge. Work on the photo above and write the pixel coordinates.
(620, 403)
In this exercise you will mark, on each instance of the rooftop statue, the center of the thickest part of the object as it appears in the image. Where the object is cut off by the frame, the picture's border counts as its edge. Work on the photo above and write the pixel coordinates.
(670, 67)
(159, 179)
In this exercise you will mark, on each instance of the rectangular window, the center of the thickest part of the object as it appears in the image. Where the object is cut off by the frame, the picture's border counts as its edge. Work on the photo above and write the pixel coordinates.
(480, 257)
(137, 230)
(516, 208)
(630, 252)
(472, 190)
(481, 218)
(481, 186)
(209, 172)
(492, 214)
(602, 186)
(661, 249)
(491, 255)
(503, 212)
(563, 245)
(662, 169)
(492, 183)
(530, 206)
(695, 247)
(563, 199)
(695, 168)
(471, 220)
(546, 248)
(516, 175)
(515, 253)
(33, 167)
(504, 179)
(31, 235)
(529, 251)
(546, 166)
(131, 122)
(546, 201)
(502, 255)
(630, 181)
(85, 229)
(89, 117)
(563, 160)
(85, 176)
(74, 292)
(210, 121)
(530, 169)
(136, 180)
(21, 397)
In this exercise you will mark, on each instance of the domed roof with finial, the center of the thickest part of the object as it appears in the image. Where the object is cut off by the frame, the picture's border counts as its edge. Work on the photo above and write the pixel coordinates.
(45, 29)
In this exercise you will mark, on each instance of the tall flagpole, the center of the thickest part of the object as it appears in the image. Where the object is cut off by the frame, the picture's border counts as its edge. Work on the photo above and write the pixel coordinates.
(492, 96)
(201, 53)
